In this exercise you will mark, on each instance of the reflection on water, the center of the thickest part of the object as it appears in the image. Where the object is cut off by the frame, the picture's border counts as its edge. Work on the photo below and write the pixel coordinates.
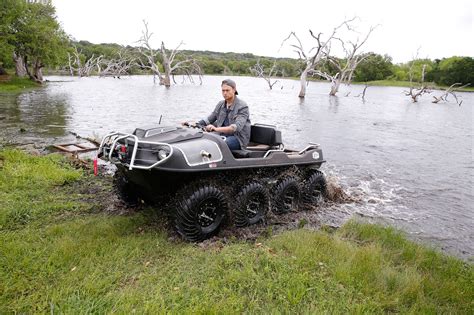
(44, 113)
(35, 116)
(410, 165)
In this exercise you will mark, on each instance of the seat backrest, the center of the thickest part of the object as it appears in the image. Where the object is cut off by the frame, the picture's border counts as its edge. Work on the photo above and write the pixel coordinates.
(264, 134)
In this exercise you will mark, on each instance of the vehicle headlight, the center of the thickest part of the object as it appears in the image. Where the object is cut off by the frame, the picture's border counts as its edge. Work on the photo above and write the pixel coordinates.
(162, 154)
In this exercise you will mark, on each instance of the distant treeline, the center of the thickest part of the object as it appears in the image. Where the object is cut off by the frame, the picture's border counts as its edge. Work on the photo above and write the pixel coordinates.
(444, 71)
(31, 39)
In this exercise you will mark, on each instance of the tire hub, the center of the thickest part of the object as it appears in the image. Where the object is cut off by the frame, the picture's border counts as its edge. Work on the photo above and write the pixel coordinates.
(255, 205)
(290, 198)
(208, 212)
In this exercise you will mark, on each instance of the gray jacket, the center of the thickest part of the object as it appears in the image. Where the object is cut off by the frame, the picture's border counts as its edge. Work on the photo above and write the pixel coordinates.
(239, 119)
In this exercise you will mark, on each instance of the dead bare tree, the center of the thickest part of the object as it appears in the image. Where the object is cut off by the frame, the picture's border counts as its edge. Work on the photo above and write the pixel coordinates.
(76, 67)
(312, 57)
(416, 92)
(187, 70)
(450, 91)
(346, 66)
(162, 62)
(363, 92)
(259, 71)
(118, 66)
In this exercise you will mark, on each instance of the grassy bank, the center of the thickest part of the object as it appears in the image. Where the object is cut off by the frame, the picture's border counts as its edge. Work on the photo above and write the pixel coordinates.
(408, 84)
(13, 84)
(60, 251)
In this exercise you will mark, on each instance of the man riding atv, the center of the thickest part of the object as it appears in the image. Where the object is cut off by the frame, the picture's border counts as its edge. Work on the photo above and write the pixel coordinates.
(230, 118)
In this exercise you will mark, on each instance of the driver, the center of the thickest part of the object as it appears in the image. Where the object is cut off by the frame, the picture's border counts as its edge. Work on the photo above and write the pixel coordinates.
(230, 118)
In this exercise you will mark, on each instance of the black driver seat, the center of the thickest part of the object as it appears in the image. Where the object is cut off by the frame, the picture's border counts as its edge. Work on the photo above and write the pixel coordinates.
(262, 139)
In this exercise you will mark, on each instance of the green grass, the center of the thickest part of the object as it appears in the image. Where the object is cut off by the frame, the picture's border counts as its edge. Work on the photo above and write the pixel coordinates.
(408, 84)
(68, 258)
(16, 84)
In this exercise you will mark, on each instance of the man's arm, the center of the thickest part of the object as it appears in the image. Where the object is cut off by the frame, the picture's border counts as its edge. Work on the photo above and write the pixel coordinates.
(240, 120)
(213, 116)
(228, 130)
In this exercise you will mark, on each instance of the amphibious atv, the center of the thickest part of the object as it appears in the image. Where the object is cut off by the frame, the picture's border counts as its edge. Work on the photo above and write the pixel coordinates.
(203, 183)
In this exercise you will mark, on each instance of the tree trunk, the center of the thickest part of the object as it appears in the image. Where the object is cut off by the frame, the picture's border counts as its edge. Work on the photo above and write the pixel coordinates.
(166, 81)
(37, 71)
(303, 83)
(335, 87)
(20, 67)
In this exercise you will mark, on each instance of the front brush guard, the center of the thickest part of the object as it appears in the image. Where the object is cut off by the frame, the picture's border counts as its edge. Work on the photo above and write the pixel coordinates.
(109, 143)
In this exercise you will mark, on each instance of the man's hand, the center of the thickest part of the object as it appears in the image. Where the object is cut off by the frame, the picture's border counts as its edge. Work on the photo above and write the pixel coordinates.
(189, 124)
(211, 128)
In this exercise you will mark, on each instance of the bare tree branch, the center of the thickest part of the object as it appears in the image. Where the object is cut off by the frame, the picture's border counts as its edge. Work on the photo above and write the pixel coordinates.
(415, 92)
(450, 91)
(150, 54)
(259, 71)
(76, 67)
(166, 67)
(321, 50)
(118, 66)
(346, 66)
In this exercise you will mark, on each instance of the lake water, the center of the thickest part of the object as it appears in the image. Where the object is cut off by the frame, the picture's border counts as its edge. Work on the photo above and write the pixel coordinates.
(410, 165)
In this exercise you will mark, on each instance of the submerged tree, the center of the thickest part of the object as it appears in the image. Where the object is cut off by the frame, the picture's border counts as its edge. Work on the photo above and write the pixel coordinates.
(260, 71)
(417, 90)
(80, 65)
(320, 52)
(346, 66)
(450, 91)
(165, 63)
(313, 56)
(117, 64)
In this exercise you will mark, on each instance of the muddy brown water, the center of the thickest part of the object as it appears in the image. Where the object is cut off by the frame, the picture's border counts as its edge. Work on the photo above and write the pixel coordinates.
(406, 165)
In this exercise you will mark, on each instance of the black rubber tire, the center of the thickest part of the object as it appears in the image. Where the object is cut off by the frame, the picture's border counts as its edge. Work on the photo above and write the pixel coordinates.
(252, 204)
(125, 190)
(200, 212)
(315, 188)
(287, 195)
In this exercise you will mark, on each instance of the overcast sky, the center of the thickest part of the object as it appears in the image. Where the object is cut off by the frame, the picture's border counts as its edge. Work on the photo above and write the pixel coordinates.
(438, 29)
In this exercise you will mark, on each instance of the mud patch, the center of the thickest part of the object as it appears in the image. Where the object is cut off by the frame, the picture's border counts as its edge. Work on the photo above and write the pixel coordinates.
(329, 215)
(98, 191)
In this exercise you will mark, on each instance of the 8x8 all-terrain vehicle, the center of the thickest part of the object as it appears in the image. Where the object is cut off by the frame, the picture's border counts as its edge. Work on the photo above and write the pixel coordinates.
(203, 182)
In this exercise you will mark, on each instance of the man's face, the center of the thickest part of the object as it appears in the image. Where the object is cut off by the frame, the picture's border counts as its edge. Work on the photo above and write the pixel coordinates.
(228, 92)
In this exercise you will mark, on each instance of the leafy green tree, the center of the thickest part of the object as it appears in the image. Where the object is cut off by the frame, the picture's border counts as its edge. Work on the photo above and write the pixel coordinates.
(402, 72)
(288, 69)
(212, 66)
(11, 21)
(44, 40)
(241, 67)
(88, 49)
(456, 70)
(399, 72)
(32, 36)
(374, 67)
(416, 68)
